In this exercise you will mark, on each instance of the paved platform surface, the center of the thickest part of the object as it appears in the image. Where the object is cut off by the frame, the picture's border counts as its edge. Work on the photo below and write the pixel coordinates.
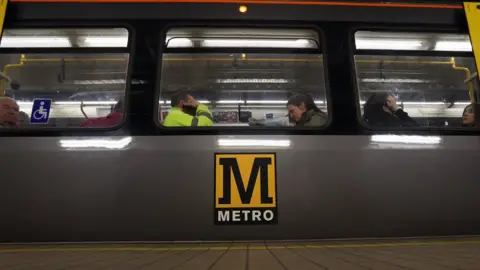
(421, 254)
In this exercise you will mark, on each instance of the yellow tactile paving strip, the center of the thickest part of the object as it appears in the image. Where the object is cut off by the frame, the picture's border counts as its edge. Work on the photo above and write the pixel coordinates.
(441, 254)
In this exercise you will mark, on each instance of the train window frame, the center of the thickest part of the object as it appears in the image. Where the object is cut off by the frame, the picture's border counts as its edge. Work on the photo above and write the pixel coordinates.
(162, 49)
(400, 29)
(58, 25)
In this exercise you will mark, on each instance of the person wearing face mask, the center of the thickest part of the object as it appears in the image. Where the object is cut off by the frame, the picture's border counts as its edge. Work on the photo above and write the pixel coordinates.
(8, 113)
(303, 111)
(382, 110)
(468, 116)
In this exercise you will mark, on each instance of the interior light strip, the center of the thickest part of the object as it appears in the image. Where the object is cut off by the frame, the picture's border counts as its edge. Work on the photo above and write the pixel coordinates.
(167, 102)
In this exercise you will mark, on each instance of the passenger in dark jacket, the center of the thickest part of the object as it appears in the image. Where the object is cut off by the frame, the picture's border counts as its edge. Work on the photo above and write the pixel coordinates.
(303, 111)
(382, 110)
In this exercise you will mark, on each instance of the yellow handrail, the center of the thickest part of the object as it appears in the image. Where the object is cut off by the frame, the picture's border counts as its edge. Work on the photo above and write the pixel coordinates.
(471, 91)
(24, 60)
(5, 71)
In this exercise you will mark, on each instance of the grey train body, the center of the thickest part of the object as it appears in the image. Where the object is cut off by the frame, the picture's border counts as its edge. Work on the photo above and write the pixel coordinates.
(162, 188)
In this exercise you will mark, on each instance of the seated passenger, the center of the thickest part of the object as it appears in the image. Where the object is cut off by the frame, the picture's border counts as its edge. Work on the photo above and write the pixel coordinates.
(183, 106)
(303, 111)
(8, 113)
(468, 119)
(111, 120)
(382, 110)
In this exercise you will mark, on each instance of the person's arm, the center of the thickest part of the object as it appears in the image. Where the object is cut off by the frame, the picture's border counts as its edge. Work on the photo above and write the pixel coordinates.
(404, 118)
(317, 120)
(203, 117)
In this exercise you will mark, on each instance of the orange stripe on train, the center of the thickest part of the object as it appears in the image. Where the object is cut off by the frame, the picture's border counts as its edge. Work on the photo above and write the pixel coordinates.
(268, 2)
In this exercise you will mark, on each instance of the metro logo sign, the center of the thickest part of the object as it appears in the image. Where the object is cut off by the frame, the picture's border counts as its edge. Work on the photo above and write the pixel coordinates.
(245, 189)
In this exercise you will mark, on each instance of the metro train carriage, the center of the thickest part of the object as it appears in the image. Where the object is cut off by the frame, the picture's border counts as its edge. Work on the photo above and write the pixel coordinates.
(94, 159)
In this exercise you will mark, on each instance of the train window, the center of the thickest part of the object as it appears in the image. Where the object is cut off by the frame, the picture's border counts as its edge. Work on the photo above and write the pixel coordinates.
(415, 79)
(50, 80)
(242, 77)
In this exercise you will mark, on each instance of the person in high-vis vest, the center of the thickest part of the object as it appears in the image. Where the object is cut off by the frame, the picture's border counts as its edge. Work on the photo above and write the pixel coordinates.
(177, 117)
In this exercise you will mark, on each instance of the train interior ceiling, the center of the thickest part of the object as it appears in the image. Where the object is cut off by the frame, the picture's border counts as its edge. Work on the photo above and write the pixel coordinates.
(430, 83)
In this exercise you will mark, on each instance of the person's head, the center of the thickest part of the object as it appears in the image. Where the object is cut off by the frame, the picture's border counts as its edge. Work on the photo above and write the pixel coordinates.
(376, 108)
(23, 118)
(180, 100)
(8, 111)
(298, 104)
(468, 116)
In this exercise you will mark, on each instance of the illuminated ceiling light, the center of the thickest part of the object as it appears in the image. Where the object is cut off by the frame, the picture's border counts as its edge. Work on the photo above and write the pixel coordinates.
(168, 101)
(407, 139)
(259, 43)
(375, 80)
(178, 42)
(69, 102)
(34, 42)
(267, 101)
(425, 103)
(253, 81)
(381, 44)
(85, 102)
(456, 46)
(258, 101)
(88, 82)
(250, 142)
(121, 42)
(421, 103)
(107, 143)
(242, 9)
(230, 101)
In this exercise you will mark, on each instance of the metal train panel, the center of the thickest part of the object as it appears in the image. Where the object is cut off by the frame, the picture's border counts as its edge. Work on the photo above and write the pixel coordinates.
(162, 188)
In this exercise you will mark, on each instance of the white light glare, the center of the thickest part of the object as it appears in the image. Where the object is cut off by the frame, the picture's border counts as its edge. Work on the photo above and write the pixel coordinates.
(99, 103)
(97, 143)
(253, 81)
(87, 82)
(118, 42)
(375, 80)
(249, 43)
(258, 102)
(35, 42)
(456, 46)
(248, 142)
(256, 43)
(179, 42)
(380, 44)
(406, 139)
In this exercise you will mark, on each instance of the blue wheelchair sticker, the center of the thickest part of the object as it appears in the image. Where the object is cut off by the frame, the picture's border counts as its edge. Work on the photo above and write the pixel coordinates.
(40, 111)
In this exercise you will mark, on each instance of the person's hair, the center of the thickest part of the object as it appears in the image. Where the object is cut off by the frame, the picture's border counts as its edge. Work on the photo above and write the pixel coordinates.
(2, 98)
(306, 100)
(468, 107)
(177, 97)
(23, 116)
(373, 111)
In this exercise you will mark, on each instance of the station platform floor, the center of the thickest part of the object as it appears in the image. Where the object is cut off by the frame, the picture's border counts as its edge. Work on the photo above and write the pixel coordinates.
(394, 254)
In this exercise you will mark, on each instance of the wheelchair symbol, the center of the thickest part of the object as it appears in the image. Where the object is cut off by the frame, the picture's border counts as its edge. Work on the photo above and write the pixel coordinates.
(41, 113)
